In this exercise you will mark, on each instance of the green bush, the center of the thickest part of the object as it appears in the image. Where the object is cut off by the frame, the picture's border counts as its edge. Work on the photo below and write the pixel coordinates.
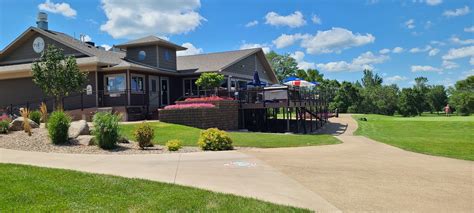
(4, 126)
(215, 140)
(174, 145)
(58, 126)
(106, 130)
(35, 116)
(144, 134)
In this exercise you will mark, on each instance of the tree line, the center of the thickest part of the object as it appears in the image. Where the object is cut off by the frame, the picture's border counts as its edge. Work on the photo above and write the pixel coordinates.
(370, 95)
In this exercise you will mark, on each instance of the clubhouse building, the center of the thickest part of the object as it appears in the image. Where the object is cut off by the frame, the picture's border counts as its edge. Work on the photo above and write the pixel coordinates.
(141, 73)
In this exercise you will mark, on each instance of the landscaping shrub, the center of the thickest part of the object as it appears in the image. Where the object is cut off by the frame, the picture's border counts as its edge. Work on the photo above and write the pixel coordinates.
(106, 130)
(35, 116)
(144, 134)
(211, 98)
(187, 106)
(4, 126)
(25, 113)
(174, 145)
(58, 126)
(215, 140)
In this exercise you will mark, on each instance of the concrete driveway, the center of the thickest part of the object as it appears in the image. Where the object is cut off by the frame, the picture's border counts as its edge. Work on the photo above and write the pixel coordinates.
(364, 175)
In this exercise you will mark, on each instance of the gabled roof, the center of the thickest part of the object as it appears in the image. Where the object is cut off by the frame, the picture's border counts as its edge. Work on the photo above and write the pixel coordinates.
(149, 40)
(103, 56)
(216, 62)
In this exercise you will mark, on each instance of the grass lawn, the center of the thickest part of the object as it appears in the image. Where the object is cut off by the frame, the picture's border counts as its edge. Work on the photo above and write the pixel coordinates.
(28, 188)
(190, 135)
(429, 134)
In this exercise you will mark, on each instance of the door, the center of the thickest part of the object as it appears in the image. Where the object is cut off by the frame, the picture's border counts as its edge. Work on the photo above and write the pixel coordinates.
(153, 92)
(165, 96)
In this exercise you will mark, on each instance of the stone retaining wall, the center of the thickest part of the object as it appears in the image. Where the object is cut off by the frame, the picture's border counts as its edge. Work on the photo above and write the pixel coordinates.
(223, 116)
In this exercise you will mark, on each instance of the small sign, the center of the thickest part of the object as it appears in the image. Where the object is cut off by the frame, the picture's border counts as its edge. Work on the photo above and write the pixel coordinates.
(89, 90)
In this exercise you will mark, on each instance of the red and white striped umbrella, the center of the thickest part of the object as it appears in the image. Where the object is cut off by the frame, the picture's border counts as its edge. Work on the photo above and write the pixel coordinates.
(300, 83)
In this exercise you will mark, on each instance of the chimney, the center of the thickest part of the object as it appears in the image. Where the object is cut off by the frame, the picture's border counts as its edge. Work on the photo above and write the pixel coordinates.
(42, 21)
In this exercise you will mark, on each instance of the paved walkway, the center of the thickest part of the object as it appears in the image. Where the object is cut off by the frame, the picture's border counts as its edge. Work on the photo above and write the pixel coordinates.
(228, 172)
(364, 175)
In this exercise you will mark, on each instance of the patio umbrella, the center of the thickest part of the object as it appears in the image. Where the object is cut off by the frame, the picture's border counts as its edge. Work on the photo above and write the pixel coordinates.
(256, 79)
(291, 78)
(300, 83)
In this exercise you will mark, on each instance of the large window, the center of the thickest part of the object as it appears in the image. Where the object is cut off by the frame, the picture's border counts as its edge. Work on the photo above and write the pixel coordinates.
(115, 83)
(190, 87)
(137, 84)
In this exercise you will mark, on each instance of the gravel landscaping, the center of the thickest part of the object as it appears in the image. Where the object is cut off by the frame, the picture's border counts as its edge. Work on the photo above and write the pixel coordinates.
(39, 142)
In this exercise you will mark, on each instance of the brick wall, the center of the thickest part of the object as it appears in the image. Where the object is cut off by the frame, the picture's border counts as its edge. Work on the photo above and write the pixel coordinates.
(224, 116)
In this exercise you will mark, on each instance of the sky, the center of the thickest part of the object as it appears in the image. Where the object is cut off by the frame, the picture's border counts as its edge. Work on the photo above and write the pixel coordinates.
(398, 39)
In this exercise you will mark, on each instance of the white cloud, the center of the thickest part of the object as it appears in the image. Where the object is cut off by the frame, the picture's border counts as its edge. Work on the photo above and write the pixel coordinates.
(302, 64)
(192, 50)
(397, 50)
(86, 38)
(419, 68)
(433, 52)
(252, 23)
(457, 40)
(334, 40)
(457, 12)
(434, 2)
(316, 19)
(106, 46)
(469, 29)
(131, 19)
(384, 51)
(439, 43)
(459, 53)
(410, 24)
(449, 65)
(287, 40)
(265, 47)
(418, 50)
(363, 61)
(468, 73)
(61, 8)
(293, 20)
(394, 79)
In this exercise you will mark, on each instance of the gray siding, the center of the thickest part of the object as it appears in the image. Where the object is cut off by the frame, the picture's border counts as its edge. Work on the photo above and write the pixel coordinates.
(22, 91)
(151, 55)
(167, 64)
(247, 67)
(26, 54)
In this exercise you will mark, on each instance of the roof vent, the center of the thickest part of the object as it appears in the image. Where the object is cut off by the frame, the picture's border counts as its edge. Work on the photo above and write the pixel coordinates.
(42, 21)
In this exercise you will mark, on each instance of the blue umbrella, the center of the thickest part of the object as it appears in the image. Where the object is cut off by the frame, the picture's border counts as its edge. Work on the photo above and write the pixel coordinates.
(291, 78)
(256, 79)
(316, 83)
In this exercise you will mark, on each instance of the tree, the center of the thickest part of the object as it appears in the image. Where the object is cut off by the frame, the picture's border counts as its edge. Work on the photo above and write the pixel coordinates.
(283, 65)
(347, 96)
(407, 103)
(57, 75)
(210, 80)
(437, 98)
(313, 75)
(421, 92)
(462, 96)
(371, 80)
(301, 74)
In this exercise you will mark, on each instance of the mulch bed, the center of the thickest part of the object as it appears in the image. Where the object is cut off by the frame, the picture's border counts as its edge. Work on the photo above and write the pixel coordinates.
(39, 142)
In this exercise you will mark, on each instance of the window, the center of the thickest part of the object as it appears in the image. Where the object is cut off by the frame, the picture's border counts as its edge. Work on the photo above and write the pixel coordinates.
(141, 55)
(190, 87)
(136, 83)
(115, 83)
(167, 55)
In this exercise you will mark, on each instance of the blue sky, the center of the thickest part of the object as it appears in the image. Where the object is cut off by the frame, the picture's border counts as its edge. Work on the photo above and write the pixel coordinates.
(400, 40)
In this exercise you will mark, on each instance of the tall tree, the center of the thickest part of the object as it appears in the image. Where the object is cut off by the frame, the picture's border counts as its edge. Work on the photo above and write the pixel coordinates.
(370, 80)
(437, 98)
(407, 103)
(314, 75)
(462, 96)
(283, 65)
(347, 96)
(421, 91)
(302, 74)
(57, 75)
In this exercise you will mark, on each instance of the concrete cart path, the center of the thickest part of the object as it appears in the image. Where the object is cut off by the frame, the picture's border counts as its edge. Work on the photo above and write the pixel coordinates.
(228, 172)
(365, 175)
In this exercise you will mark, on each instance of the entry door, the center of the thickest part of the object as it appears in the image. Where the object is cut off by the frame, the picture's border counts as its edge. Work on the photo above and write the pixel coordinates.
(153, 92)
(165, 96)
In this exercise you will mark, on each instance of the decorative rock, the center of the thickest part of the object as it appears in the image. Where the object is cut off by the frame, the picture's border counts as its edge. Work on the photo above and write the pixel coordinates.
(78, 128)
(17, 124)
(85, 140)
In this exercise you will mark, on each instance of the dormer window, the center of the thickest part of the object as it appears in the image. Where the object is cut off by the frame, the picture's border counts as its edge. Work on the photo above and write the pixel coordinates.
(141, 55)
(167, 55)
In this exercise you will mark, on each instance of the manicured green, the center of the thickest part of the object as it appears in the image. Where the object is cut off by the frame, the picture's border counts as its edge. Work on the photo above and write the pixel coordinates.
(36, 189)
(429, 134)
(189, 136)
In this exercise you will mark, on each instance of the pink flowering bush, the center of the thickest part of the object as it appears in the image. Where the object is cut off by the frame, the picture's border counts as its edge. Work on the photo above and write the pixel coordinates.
(187, 106)
(212, 98)
(5, 117)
